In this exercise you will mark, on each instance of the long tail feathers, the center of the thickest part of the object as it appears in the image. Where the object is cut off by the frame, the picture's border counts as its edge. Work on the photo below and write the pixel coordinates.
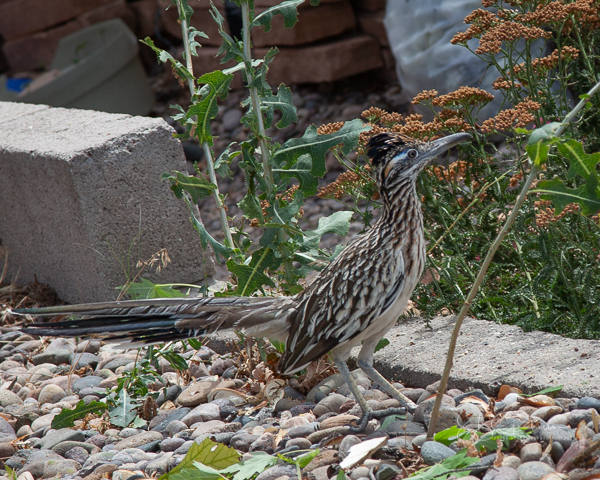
(159, 320)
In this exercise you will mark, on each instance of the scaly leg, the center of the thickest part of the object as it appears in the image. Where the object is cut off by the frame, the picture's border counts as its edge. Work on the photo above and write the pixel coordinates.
(367, 411)
(365, 363)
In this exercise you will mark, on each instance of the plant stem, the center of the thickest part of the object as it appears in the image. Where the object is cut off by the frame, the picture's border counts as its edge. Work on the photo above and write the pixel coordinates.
(254, 98)
(486, 263)
(205, 146)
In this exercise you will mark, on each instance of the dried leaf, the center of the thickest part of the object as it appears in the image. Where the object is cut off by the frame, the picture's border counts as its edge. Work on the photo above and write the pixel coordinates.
(595, 420)
(582, 432)
(572, 457)
(505, 390)
(538, 401)
(280, 436)
(274, 390)
(499, 454)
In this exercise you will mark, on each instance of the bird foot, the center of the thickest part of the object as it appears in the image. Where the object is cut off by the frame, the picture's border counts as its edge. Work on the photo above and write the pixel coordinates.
(360, 427)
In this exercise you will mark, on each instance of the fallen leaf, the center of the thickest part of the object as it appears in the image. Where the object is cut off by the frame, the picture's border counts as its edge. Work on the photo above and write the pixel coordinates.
(538, 401)
(582, 432)
(361, 451)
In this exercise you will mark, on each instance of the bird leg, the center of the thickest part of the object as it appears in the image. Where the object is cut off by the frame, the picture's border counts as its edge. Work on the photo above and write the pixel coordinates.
(368, 412)
(365, 363)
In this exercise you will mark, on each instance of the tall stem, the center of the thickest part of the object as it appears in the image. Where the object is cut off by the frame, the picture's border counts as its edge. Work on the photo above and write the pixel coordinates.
(254, 98)
(205, 146)
(261, 135)
(484, 267)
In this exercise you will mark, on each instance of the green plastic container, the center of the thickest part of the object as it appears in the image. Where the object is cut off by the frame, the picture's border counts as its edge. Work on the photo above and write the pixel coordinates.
(99, 70)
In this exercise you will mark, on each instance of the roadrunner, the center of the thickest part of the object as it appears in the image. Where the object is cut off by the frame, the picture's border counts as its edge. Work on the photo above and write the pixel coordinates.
(355, 300)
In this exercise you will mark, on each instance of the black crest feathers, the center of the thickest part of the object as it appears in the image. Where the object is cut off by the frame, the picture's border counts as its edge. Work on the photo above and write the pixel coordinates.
(379, 145)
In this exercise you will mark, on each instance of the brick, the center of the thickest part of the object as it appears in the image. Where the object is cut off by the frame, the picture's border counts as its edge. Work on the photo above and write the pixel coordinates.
(324, 62)
(206, 62)
(37, 50)
(202, 20)
(372, 23)
(74, 187)
(370, 5)
(317, 23)
(145, 15)
(389, 61)
(23, 17)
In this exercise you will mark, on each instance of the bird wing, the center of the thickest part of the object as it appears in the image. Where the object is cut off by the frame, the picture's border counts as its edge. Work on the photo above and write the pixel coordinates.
(342, 302)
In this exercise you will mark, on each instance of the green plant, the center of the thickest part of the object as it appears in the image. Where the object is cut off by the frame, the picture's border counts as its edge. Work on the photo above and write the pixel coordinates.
(278, 177)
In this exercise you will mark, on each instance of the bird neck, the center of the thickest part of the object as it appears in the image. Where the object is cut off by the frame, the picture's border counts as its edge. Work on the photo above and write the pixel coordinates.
(401, 205)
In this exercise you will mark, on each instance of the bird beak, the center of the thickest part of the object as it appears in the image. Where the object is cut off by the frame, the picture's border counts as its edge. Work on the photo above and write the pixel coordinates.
(440, 145)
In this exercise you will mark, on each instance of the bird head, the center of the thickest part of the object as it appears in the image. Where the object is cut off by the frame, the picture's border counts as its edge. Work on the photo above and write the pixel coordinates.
(396, 156)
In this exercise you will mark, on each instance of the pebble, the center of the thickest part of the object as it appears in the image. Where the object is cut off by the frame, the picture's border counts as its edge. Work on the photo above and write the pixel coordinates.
(534, 470)
(303, 419)
(435, 452)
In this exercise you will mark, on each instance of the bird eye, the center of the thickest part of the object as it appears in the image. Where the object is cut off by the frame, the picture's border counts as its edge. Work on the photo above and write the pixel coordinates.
(412, 153)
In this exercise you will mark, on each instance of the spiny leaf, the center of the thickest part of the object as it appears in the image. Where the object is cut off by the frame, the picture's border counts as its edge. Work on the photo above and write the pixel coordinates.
(544, 133)
(338, 223)
(250, 278)
(206, 238)
(66, 418)
(317, 146)
(282, 102)
(208, 453)
(206, 109)
(164, 57)
(251, 207)
(288, 10)
(146, 289)
(302, 170)
(197, 187)
(285, 214)
(194, 45)
(258, 463)
(125, 411)
(441, 471)
(224, 161)
(556, 191)
(581, 163)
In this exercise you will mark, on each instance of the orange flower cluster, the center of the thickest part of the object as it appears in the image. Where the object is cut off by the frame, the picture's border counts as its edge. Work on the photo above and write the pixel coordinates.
(586, 11)
(545, 214)
(329, 128)
(515, 179)
(346, 183)
(491, 41)
(519, 116)
(463, 96)
(424, 95)
(549, 62)
(455, 172)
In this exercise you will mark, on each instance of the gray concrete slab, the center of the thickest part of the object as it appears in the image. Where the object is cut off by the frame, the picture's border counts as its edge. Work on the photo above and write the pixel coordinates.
(81, 200)
(488, 355)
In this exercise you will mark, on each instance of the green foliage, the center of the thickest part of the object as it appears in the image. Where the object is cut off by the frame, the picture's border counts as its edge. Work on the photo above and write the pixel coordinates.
(550, 391)
(66, 418)
(445, 469)
(279, 177)
(125, 410)
(488, 441)
(203, 462)
(384, 342)
(451, 435)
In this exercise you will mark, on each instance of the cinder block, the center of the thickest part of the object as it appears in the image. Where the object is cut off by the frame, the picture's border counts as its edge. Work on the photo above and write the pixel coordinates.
(37, 50)
(82, 200)
(372, 23)
(326, 62)
(316, 23)
(23, 17)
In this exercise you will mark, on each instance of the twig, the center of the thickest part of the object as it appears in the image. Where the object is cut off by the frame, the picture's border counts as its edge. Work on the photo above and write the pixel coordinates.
(484, 267)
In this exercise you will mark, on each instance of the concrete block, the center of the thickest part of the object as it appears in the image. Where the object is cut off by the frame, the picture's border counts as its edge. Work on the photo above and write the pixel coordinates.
(82, 200)
(23, 17)
(37, 50)
(316, 23)
(372, 23)
(325, 62)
